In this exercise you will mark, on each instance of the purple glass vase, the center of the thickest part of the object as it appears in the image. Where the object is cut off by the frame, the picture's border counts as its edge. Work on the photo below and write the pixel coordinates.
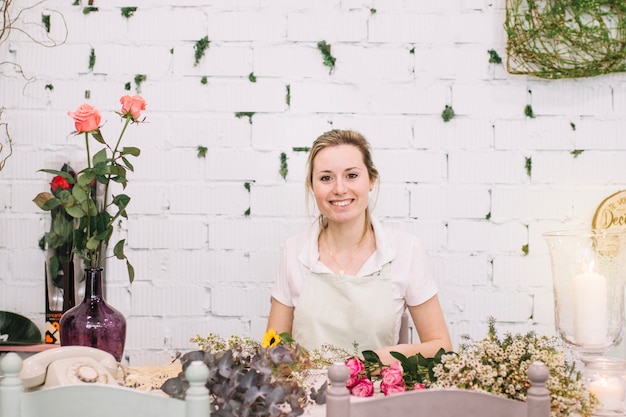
(93, 322)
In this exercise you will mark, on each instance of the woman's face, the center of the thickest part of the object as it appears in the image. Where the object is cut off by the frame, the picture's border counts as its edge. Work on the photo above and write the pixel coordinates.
(341, 183)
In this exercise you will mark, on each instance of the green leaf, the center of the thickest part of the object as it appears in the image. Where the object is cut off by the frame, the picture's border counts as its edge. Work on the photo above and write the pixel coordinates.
(100, 157)
(130, 150)
(80, 194)
(128, 165)
(121, 200)
(86, 178)
(75, 211)
(118, 250)
(98, 136)
(131, 272)
(101, 169)
(51, 204)
(371, 356)
(92, 243)
(63, 174)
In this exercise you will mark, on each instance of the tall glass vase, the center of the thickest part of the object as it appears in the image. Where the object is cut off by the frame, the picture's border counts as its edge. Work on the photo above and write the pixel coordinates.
(588, 274)
(93, 322)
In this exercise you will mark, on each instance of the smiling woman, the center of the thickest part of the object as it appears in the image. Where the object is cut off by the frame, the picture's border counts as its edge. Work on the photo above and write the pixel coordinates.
(346, 280)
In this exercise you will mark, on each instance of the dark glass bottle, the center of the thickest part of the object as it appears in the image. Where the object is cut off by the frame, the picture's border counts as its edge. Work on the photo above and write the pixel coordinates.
(93, 322)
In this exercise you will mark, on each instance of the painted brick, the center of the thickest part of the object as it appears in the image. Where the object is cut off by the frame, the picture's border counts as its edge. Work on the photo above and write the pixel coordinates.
(328, 26)
(248, 26)
(487, 167)
(435, 202)
(154, 233)
(239, 301)
(486, 236)
(411, 166)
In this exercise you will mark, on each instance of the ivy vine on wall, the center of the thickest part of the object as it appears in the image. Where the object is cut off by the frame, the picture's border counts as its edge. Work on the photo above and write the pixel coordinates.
(565, 38)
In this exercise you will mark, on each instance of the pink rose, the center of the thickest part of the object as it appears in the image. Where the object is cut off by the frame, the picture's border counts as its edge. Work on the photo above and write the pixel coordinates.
(132, 106)
(418, 387)
(363, 388)
(392, 375)
(86, 118)
(356, 367)
(388, 389)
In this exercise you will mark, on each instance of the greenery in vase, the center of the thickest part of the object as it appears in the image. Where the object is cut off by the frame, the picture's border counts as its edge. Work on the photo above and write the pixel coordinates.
(86, 198)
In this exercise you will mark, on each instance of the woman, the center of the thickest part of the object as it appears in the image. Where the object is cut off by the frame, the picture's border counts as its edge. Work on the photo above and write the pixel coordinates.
(346, 280)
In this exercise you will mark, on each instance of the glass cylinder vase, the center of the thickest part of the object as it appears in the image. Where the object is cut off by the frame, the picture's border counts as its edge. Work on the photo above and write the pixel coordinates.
(93, 322)
(588, 275)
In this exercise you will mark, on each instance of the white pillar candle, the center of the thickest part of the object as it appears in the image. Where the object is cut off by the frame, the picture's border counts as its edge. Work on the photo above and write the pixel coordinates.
(609, 391)
(590, 309)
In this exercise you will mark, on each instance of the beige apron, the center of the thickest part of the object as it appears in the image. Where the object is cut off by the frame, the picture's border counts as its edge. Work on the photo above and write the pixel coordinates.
(345, 311)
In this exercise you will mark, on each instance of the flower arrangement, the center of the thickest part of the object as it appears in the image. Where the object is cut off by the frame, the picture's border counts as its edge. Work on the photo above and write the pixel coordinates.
(84, 197)
(246, 378)
(494, 365)
(499, 366)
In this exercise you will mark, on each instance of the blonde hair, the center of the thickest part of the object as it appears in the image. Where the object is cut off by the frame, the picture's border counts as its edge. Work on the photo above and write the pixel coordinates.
(338, 137)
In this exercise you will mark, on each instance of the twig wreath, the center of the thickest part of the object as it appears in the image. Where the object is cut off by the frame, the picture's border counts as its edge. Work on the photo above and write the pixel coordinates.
(566, 38)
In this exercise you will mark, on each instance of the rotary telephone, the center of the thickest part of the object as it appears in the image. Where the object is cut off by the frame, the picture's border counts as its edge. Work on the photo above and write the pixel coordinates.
(68, 365)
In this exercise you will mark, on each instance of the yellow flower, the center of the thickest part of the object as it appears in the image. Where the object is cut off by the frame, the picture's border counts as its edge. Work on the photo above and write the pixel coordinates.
(270, 338)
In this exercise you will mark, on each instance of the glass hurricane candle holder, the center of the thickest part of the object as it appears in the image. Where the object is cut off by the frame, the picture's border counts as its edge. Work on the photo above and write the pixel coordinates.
(588, 275)
(605, 377)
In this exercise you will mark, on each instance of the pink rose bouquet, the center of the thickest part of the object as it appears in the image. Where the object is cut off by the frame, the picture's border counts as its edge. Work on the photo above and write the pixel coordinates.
(80, 196)
(407, 374)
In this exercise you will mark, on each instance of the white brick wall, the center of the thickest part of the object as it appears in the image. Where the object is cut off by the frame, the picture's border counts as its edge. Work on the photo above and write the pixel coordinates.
(202, 265)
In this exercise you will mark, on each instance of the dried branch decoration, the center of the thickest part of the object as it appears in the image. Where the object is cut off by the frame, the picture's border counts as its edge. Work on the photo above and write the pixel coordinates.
(565, 38)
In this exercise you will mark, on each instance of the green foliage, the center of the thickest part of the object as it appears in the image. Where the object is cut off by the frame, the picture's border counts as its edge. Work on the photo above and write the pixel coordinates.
(128, 11)
(202, 150)
(283, 165)
(92, 59)
(89, 9)
(494, 58)
(199, 49)
(247, 212)
(529, 166)
(247, 114)
(45, 20)
(49, 87)
(329, 60)
(572, 125)
(565, 38)
(488, 216)
(528, 111)
(577, 152)
(525, 249)
(447, 114)
(204, 80)
(412, 51)
(372, 11)
(246, 185)
(301, 148)
(288, 95)
(140, 78)
(252, 77)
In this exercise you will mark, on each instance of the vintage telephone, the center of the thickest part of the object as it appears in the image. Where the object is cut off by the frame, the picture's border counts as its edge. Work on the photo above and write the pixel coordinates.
(68, 365)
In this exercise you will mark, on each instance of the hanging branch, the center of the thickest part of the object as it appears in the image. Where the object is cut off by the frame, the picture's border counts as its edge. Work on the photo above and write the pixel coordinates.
(5, 126)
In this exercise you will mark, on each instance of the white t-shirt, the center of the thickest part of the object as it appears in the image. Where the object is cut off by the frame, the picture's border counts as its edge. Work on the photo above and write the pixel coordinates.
(410, 272)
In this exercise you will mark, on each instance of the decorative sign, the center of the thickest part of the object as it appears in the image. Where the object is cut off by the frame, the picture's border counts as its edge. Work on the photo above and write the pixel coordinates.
(611, 213)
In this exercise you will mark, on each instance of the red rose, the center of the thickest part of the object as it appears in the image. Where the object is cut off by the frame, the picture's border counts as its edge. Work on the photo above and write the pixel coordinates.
(86, 118)
(418, 387)
(132, 106)
(59, 182)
